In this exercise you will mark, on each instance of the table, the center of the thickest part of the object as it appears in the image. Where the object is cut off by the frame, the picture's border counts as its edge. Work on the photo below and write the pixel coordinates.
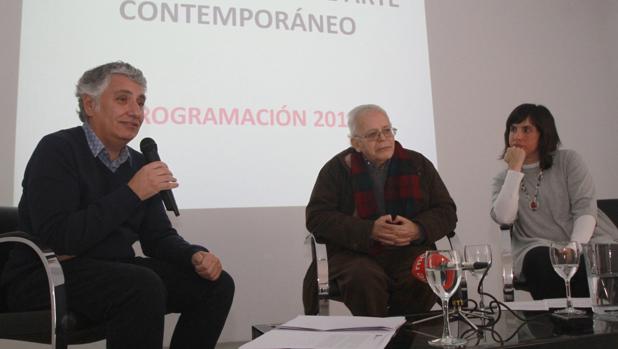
(539, 330)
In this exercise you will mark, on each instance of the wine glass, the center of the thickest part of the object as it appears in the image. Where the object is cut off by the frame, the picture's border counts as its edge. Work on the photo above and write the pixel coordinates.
(443, 271)
(565, 260)
(479, 254)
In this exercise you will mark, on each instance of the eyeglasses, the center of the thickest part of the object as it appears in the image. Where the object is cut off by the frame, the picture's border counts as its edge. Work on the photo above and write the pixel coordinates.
(374, 135)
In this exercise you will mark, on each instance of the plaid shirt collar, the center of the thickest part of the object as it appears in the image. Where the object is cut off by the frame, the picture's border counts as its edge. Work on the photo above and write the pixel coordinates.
(98, 150)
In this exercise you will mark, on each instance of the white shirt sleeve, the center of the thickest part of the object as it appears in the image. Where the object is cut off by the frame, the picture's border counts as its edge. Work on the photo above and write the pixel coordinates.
(583, 227)
(505, 205)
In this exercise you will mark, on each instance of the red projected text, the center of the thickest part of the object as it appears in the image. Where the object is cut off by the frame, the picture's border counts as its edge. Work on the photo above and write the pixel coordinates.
(281, 117)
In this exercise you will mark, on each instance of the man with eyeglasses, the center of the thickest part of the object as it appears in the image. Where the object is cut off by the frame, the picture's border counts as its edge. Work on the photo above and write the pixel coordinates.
(378, 206)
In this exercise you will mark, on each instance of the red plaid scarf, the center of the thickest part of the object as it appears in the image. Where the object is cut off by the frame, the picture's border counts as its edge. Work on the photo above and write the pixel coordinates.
(402, 190)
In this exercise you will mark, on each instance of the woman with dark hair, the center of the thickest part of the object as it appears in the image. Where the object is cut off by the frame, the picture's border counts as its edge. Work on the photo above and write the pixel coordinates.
(547, 195)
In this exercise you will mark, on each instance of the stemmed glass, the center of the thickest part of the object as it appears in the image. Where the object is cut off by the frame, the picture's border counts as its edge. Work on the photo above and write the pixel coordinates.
(474, 254)
(443, 271)
(565, 260)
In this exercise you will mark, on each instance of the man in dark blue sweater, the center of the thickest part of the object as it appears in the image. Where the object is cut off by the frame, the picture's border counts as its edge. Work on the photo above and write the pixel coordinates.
(89, 196)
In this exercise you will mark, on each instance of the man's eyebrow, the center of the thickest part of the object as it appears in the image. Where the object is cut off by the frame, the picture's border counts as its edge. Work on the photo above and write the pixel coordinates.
(127, 92)
(117, 92)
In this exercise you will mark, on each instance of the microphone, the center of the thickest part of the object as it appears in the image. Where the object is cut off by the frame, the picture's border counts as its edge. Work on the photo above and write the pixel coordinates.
(474, 266)
(418, 267)
(149, 149)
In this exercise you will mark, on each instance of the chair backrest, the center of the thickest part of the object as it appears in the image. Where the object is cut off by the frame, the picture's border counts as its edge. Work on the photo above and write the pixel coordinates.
(9, 221)
(610, 208)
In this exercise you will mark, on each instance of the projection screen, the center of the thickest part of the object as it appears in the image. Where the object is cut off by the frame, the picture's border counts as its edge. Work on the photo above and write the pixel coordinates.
(246, 99)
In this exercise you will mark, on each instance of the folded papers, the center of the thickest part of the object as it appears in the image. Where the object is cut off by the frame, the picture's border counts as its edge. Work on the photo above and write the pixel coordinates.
(329, 332)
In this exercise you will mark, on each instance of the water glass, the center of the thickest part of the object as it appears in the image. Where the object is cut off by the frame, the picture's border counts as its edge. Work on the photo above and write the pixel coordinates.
(602, 270)
(474, 254)
(565, 260)
(443, 270)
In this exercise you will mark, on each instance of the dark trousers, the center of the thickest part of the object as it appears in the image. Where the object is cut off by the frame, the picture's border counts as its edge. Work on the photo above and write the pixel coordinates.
(380, 285)
(131, 298)
(543, 281)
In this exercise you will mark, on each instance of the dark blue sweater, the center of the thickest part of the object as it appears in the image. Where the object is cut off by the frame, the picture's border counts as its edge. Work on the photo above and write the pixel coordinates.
(74, 204)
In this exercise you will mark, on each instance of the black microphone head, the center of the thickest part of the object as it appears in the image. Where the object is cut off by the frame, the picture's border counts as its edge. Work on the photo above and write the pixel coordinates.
(149, 149)
(480, 265)
(147, 144)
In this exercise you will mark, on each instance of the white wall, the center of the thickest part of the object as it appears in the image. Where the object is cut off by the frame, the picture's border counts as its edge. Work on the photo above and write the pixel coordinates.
(10, 12)
(487, 56)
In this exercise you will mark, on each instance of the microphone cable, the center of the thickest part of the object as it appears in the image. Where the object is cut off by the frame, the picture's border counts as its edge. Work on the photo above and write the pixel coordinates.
(495, 308)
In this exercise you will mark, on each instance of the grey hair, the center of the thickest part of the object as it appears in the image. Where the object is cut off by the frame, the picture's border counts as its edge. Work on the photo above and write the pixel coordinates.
(358, 111)
(95, 80)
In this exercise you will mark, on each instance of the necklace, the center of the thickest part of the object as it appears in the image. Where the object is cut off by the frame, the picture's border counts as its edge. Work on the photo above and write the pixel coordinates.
(533, 202)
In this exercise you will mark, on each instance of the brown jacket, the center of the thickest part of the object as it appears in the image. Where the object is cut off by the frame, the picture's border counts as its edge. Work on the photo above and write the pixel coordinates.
(330, 214)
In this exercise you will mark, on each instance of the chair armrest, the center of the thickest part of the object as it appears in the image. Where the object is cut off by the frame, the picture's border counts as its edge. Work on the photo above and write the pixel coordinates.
(318, 254)
(55, 278)
(508, 289)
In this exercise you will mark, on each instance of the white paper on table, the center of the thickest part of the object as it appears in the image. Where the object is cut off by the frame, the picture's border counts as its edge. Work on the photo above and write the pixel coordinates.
(583, 302)
(546, 304)
(343, 323)
(528, 305)
(296, 339)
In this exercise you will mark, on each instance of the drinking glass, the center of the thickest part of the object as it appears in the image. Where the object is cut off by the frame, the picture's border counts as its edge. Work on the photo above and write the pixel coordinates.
(475, 254)
(443, 271)
(565, 260)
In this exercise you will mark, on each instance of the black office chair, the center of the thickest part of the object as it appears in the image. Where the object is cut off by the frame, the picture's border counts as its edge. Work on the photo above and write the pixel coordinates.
(510, 281)
(53, 326)
(324, 291)
(610, 207)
